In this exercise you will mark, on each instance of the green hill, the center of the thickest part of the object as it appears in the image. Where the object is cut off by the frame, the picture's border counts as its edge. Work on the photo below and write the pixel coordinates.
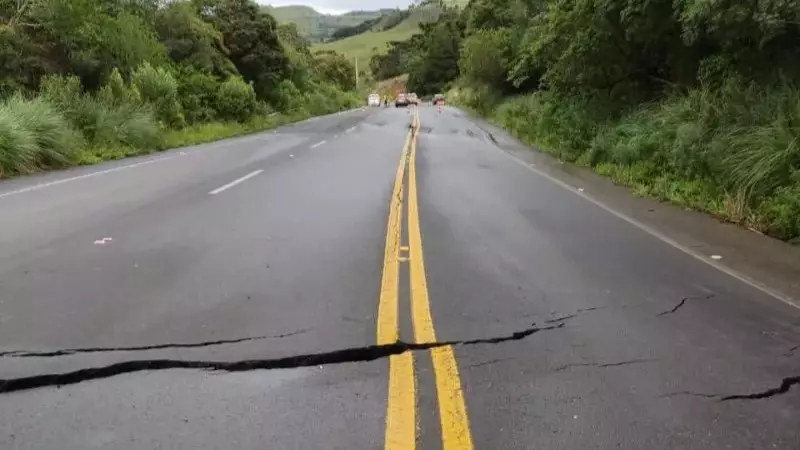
(366, 44)
(317, 26)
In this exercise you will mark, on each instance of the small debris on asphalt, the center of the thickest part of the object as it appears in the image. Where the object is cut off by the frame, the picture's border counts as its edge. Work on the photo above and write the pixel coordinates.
(580, 189)
(717, 257)
(103, 241)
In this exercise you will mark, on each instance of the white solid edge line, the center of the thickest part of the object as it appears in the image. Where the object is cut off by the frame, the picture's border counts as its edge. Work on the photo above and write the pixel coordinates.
(80, 177)
(658, 235)
(235, 182)
(318, 144)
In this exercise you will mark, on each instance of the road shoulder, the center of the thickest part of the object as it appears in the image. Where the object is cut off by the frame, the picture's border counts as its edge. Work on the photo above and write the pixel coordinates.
(768, 264)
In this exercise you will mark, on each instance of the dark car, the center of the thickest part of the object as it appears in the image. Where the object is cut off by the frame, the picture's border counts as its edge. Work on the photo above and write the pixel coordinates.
(401, 100)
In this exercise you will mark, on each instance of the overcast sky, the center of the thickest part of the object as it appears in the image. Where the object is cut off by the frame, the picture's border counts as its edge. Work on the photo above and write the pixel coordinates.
(340, 6)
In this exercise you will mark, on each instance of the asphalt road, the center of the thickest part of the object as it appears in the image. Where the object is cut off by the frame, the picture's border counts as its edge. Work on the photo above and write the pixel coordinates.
(343, 284)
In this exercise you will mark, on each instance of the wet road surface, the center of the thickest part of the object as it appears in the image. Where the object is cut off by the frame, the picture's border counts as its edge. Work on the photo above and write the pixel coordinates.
(345, 283)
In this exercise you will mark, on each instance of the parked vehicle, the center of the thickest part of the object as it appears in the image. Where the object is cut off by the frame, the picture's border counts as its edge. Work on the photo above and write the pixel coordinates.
(401, 100)
(374, 100)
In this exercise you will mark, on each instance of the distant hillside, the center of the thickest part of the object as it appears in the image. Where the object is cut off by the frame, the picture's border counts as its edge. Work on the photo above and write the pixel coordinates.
(319, 27)
(366, 44)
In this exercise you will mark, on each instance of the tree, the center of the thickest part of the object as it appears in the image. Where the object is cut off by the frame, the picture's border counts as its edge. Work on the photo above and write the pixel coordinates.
(335, 68)
(486, 55)
(437, 63)
(190, 40)
(251, 36)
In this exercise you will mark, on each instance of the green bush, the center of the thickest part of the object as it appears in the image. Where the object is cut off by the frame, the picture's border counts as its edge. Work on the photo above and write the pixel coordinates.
(33, 136)
(565, 125)
(158, 87)
(60, 91)
(17, 146)
(55, 139)
(101, 119)
(779, 214)
(198, 95)
(287, 97)
(127, 125)
(115, 92)
(236, 100)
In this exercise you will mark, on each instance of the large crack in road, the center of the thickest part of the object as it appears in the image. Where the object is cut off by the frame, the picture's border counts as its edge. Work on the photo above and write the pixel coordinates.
(348, 355)
(73, 351)
(785, 385)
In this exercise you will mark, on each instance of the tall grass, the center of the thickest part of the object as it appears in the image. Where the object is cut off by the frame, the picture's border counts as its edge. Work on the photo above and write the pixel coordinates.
(733, 151)
(33, 136)
(65, 125)
(102, 122)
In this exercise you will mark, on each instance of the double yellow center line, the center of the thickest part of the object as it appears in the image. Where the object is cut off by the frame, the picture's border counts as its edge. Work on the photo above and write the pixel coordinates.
(401, 420)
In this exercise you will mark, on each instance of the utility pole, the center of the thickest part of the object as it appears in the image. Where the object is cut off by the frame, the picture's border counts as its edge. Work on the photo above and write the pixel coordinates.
(356, 71)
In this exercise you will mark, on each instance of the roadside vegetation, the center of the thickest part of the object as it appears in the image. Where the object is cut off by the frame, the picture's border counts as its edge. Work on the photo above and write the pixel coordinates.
(693, 102)
(83, 81)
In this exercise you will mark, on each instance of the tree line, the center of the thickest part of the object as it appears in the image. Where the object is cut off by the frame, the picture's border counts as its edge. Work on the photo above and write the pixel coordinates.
(691, 101)
(85, 80)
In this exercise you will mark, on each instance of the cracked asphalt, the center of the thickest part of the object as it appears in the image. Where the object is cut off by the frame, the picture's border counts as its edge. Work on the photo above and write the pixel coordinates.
(235, 304)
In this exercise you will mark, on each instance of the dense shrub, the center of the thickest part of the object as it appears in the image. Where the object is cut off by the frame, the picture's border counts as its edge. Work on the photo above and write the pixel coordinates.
(236, 100)
(103, 119)
(288, 97)
(115, 92)
(158, 87)
(198, 95)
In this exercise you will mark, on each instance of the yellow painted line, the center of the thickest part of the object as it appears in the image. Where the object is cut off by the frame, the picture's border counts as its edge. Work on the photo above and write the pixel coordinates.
(401, 425)
(456, 434)
(387, 305)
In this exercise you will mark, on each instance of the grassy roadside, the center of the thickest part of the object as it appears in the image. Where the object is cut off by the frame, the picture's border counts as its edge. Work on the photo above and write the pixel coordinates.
(190, 135)
(733, 153)
(64, 126)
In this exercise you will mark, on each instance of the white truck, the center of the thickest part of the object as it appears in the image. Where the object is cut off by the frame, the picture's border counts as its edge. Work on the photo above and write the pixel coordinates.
(374, 100)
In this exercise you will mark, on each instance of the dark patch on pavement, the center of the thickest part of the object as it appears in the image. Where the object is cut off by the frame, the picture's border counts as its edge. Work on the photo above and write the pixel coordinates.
(72, 351)
(349, 355)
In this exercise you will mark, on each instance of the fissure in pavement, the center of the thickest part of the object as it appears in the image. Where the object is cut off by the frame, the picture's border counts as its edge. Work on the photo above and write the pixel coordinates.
(72, 351)
(349, 355)
(682, 303)
(784, 387)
